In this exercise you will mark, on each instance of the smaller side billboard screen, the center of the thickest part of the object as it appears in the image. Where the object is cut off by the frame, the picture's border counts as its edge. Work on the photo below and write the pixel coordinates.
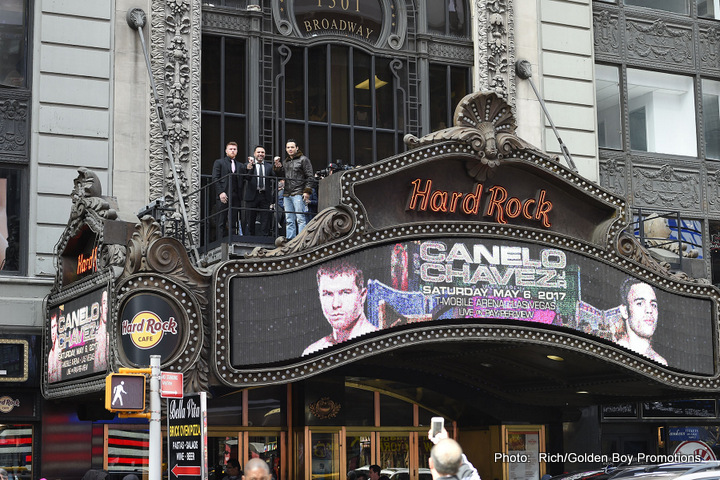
(284, 317)
(78, 337)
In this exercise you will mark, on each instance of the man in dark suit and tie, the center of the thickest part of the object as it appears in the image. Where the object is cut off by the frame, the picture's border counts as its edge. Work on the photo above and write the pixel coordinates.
(228, 190)
(259, 192)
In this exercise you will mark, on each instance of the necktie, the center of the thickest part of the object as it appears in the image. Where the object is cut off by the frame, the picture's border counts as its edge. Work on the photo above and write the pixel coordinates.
(233, 165)
(261, 180)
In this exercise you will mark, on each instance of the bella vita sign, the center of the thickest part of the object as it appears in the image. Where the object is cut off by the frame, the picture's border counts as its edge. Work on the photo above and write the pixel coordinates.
(498, 204)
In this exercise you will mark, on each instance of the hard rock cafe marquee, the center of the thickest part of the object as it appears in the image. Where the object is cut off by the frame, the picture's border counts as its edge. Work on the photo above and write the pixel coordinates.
(471, 236)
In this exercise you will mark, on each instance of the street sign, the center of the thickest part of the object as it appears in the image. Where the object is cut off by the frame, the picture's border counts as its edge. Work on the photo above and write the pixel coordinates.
(187, 437)
(171, 385)
(125, 392)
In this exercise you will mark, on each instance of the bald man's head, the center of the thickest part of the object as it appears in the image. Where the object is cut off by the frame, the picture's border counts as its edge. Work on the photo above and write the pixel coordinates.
(445, 457)
(256, 469)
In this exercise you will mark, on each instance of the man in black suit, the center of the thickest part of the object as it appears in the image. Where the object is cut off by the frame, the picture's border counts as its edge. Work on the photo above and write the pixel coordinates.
(228, 190)
(259, 192)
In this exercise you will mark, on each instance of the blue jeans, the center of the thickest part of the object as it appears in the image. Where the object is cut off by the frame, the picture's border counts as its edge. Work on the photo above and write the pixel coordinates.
(295, 209)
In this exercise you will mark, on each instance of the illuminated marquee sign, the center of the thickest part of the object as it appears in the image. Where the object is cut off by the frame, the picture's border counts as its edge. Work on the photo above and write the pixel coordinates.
(361, 19)
(499, 205)
(78, 337)
(79, 259)
(461, 278)
(149, 324)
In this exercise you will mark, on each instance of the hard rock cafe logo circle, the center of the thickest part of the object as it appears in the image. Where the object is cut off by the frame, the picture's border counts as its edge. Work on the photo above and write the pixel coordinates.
(8, 403)
(146, 329)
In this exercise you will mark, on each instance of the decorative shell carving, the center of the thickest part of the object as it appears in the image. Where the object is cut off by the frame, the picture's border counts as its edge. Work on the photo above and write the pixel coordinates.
(629, 246)
(485, 121)
(328, 225)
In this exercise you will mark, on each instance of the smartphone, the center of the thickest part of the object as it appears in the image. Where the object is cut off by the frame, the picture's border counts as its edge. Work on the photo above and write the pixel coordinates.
(436, 425)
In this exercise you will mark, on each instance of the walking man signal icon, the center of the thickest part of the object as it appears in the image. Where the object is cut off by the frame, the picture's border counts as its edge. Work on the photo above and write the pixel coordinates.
(125, 392)
(118, 392)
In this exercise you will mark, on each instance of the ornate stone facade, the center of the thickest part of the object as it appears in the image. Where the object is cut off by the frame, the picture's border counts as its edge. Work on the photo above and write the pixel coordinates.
(496, 47)
(175, 35)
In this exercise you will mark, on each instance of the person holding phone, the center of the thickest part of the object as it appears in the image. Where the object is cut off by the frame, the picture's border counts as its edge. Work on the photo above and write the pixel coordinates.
(447, 460)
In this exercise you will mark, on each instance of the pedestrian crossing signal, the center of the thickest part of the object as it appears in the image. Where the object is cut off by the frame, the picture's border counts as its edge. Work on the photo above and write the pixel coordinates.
(125, 392)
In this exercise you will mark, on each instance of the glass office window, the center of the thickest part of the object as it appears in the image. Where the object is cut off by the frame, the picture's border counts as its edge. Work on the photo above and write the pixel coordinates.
(448, 17)
(708, 8)
(448, 85)
(661, 112)
(711, 117)
(13, 51)
(675, 6)
(609, 113)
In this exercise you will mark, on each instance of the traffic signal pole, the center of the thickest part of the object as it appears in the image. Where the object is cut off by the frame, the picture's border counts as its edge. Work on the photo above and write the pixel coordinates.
(155, 449)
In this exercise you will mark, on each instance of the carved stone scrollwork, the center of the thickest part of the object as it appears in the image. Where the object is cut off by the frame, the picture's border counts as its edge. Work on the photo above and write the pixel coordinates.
(13, 125)
(496, 19)
(612, 175)
(328, 225)
(629, 246)
(713, 191)
(485, 121)
(709, 42)
(175, 48)
(660, 42)
(607, 32)
(666, 187)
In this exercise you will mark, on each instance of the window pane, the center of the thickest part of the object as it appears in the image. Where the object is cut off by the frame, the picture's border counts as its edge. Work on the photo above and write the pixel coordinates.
(436, 15)
(235, 132)
(317, 87)
(458, 88)
(211, 73)
(677, 6)
(12, 46)
(266, 406)
(220, 450)
(439, 112)
(295, 85)
(359, 410)
(341, 145)
(395, 412)
(457, 18)
(340, 95)
(267, 447)
(212, 147)
(234, 75)
(385, 145)
(10, 215)
(363, 86)
(708, 8)
(317, 151)
(653, 98)
(607, 97)
(385, 114)
(363, 147)
(711, 117)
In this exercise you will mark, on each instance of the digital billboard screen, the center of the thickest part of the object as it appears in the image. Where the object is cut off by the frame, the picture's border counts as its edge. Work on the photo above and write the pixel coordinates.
(78, 337)
(383, 287)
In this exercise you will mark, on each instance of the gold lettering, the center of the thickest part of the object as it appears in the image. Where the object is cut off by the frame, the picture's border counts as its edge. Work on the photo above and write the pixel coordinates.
(368, 33)
(308, 25)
